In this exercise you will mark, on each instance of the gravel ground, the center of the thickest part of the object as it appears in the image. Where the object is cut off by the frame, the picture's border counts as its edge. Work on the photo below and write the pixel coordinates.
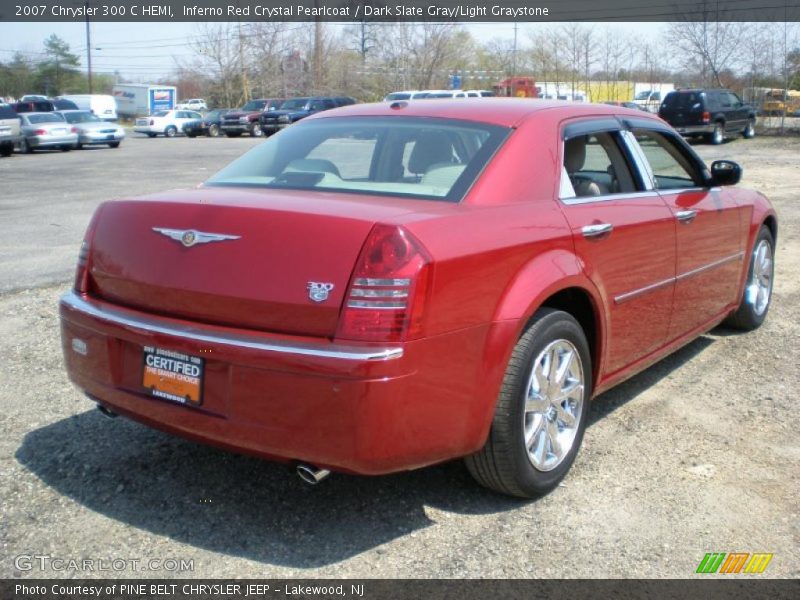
(697, 454)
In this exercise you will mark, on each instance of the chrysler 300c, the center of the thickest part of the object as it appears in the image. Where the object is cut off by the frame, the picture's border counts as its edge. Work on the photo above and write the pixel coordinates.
(384, 287)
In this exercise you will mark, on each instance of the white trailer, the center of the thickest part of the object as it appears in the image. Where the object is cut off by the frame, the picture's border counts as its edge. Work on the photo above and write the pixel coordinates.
(650, 95)
(143, 99)
(102, 105)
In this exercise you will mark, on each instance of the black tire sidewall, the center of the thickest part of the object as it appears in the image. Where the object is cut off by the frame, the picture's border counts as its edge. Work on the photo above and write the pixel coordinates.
(556, 325)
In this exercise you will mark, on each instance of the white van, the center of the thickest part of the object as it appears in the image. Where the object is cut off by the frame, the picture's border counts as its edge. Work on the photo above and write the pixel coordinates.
(102, 105)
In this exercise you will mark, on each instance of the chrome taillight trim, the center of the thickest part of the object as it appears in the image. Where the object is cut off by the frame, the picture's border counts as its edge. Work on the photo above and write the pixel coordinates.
(372, 293)
(376, 304)
(381, 282)
(153, 325)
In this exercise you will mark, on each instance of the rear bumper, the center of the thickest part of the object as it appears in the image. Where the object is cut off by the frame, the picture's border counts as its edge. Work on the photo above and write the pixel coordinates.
(695, 129)
(101, 138)
(49, 141)
(356, 408)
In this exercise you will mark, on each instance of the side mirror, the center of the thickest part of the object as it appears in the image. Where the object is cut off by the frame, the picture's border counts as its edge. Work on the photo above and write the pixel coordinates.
(725, 172)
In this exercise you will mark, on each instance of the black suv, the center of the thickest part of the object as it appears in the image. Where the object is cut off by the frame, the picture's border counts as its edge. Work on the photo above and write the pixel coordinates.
(295, 109)
(712, 114)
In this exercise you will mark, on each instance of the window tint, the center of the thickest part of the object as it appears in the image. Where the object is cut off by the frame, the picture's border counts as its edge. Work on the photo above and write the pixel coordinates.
(595, 166)
(395, 156)
(682, 99)
(672, 168)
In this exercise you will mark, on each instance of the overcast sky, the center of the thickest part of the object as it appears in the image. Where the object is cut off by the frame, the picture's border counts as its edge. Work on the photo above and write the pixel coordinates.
(142, 51)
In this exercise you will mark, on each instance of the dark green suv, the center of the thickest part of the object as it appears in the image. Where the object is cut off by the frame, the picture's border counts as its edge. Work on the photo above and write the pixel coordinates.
(712, 114)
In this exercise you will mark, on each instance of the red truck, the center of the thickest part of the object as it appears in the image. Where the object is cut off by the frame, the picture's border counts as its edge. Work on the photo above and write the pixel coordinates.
(517, 87)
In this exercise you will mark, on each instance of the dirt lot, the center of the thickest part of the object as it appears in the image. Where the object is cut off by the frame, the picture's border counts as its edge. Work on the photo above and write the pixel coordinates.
(698, 454)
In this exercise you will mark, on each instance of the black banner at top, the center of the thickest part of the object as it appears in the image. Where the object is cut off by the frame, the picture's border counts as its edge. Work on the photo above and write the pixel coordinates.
(465, 11)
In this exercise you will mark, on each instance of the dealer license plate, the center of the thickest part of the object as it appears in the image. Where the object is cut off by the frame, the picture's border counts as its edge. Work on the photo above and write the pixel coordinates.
(173, 376)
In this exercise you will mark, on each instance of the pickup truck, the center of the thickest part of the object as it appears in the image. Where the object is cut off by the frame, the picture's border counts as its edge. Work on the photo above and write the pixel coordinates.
(246, 119)
(295, 109)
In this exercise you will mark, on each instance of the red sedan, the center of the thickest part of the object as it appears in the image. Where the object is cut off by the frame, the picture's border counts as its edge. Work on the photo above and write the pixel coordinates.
(384, 287)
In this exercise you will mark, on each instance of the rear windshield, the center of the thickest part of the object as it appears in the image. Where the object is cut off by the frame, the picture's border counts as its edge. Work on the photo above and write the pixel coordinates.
(48, 118)
(683, 99)
(393, 156)
(80, 117)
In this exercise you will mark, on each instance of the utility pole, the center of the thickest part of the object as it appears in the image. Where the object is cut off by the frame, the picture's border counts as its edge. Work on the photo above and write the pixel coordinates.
(243, 67)
(88, 45)
(514, 53)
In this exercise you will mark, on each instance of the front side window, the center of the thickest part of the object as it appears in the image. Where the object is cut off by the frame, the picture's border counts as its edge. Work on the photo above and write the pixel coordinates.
(594, 165)
(672, 168)
(396, 156)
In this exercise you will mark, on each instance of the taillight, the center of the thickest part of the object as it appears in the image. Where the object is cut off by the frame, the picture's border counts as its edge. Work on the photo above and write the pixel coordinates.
(706, 117)
(74, 130)
(386, 297)
(40, 132)
(84, 254)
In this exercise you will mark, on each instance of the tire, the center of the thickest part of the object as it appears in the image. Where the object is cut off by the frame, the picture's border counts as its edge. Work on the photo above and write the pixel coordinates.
(749, 131)
(213, 130)
(6, 149)
(718, 135)
(505, 464)
(25, 147)
(757, 295)
(113, 144)
(171, 131)
(255, 130)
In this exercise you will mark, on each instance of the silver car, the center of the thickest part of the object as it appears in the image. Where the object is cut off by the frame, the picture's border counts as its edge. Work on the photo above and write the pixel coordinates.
(93, 130)
(46, 130)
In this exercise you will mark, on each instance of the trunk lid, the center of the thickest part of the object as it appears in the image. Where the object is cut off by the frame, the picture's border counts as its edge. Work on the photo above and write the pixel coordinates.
(258, 278)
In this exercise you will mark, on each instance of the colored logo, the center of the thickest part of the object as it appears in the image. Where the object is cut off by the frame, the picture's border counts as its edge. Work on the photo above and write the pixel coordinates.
(734, 562)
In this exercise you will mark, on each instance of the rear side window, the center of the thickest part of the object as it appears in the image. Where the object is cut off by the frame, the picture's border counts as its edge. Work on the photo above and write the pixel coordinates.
(425, 158)
(682, 100)
(6, 112)
(595, 165)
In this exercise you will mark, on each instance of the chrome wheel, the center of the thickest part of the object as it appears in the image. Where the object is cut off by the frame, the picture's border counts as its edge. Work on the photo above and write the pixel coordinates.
(717, 137)
(553, 402)
(759, 289)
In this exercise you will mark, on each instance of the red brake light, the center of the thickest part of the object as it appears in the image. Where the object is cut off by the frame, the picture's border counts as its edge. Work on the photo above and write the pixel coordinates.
(706, 117)
(386, 296)
(84, 255)
(40, 132)
(74, 130)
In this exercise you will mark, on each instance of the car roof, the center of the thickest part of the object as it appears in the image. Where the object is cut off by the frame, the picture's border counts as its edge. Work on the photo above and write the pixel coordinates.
(506, 112)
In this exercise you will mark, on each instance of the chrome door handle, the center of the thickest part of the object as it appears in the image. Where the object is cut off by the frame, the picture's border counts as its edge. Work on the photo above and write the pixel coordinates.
(686, 216)
(593, 231)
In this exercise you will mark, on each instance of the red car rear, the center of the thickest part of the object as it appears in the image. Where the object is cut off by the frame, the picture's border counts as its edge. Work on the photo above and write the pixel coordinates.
(384, 287)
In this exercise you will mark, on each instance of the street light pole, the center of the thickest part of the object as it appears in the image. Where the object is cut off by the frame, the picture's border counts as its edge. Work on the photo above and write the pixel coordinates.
(88, 45)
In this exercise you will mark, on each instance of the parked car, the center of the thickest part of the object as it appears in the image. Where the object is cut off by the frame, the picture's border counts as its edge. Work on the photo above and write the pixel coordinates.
(209, 125)
(9, 130)
(32, 98)
(712, 114)
(196, 104)
(295, 110)
(246, 119)
(631, 105)
(101, 105)
(438, 94)
(46, 105)
(45, 131)
(405, 95)
(93, 130)
(480, 94)
(431, 285)
(166, 122)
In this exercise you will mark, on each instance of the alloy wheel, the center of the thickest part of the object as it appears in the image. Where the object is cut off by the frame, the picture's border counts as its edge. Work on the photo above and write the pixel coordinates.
(759, 289)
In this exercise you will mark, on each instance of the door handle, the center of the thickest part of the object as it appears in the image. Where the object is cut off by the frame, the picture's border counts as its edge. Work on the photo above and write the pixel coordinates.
(593, 231)
(686, 216)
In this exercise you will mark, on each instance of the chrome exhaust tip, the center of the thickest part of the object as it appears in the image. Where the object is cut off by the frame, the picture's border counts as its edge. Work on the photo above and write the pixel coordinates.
(311, 474)
(107, 412)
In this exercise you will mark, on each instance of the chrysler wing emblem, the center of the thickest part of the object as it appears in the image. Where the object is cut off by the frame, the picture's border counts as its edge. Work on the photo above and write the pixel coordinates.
(190, 237)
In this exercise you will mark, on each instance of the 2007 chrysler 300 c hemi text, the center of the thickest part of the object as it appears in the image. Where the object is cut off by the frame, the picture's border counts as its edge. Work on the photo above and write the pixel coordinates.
(384, 287)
